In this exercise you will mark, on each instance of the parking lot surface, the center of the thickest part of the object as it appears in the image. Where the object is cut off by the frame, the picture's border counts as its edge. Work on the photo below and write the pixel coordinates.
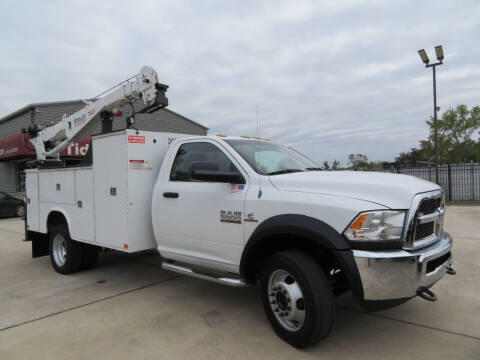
(129, 308)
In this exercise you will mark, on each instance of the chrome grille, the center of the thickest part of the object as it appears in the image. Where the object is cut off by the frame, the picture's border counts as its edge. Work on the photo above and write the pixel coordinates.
(425, 221)
(423, 230)
(428, 206)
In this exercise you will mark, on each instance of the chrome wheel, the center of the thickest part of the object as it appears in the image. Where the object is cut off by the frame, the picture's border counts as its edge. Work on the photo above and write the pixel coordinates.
(59, 249)
(286, 300)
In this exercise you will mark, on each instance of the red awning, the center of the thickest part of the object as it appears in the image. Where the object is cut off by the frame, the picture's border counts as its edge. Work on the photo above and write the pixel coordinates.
(13, 146)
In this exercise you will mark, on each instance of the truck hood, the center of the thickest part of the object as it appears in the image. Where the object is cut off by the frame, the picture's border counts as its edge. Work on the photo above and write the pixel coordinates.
(394, 191)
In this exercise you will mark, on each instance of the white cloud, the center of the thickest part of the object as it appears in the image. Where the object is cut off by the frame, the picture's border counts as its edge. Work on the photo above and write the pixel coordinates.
(331, 77)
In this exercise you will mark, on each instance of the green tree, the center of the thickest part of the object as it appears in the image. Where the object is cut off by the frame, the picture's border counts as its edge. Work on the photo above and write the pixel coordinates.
(357, 160)
(456, 128)
(414, 155)
(335, 165)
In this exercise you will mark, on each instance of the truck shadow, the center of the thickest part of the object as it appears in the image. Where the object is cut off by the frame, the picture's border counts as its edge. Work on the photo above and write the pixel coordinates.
(222, 307)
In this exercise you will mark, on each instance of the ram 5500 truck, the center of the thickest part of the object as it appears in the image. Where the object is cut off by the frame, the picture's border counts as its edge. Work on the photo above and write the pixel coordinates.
(239, 211)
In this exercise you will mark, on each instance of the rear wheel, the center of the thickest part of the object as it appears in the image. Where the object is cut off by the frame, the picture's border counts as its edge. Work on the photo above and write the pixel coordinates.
(297, 298)
(65, 254)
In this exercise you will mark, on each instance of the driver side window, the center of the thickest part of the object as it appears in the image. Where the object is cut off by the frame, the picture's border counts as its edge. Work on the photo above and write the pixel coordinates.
(195, 152)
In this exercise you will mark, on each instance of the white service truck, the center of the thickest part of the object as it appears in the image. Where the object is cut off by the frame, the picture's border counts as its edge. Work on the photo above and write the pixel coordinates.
(239, 211)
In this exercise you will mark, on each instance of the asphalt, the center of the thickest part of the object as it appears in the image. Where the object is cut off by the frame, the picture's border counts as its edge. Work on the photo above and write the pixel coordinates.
(128, 307)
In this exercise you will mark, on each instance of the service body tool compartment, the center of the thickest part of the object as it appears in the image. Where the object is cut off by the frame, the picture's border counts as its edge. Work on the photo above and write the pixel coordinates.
(67, 191)
(108, 203)
(125, 168)
(83, 227)
(110, 189)
(31, 187)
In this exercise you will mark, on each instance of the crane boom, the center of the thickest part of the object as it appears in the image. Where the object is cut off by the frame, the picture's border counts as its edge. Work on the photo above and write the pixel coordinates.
(50, 141)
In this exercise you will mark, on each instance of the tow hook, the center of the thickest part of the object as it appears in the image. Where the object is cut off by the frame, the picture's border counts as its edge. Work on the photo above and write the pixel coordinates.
(451, 271)
(426, 294)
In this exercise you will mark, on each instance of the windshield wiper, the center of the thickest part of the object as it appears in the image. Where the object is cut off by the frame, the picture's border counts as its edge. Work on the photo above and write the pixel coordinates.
(286, 171)
(314, 169)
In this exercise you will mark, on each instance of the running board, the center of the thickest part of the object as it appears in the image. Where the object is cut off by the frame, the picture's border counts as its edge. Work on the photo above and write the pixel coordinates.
(189, 272)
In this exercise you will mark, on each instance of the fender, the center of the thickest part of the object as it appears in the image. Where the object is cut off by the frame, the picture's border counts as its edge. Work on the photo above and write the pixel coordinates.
(40, 240)
(310, 228)
(61, 211)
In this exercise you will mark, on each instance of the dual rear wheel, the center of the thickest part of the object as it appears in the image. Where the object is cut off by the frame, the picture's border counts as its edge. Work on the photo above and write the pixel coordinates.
(68, 256)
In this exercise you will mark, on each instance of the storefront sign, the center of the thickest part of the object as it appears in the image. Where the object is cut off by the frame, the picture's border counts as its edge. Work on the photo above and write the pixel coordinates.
(19, 145)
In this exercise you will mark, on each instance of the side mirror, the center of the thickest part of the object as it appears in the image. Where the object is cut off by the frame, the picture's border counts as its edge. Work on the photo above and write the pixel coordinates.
(208, 171)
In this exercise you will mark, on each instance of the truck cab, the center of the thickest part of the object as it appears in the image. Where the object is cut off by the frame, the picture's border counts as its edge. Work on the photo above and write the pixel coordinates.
(230, 204)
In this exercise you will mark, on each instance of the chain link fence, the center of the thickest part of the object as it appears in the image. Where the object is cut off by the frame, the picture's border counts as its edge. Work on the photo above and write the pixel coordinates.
(461, 182)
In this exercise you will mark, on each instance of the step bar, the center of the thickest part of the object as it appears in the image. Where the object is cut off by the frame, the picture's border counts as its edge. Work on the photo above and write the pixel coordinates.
(220, 280)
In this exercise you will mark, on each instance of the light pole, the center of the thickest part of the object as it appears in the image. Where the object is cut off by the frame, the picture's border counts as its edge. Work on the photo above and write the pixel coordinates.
(426, 60)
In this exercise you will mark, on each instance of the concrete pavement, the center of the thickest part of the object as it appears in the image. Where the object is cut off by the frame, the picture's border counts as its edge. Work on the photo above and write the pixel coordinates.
(128, 307)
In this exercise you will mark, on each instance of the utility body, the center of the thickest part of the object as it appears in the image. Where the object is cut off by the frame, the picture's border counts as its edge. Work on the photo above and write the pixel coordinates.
(243, 211)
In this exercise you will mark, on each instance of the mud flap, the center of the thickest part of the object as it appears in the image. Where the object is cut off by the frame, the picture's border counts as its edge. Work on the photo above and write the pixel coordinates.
(40, 243)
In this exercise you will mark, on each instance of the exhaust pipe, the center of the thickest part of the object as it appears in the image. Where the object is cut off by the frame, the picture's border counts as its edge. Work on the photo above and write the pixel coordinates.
(426, 294)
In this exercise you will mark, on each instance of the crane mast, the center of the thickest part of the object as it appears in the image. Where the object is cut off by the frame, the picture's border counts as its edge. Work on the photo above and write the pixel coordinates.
(50, 141)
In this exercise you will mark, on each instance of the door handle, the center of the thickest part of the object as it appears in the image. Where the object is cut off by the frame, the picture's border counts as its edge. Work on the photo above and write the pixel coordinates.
(171, 195)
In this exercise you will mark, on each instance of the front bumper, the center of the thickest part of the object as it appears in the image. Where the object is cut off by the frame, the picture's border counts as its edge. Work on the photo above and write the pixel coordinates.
(399, 274)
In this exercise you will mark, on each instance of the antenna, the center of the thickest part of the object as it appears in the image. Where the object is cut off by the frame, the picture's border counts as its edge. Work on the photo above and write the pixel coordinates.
(258, 141)
(258, 131)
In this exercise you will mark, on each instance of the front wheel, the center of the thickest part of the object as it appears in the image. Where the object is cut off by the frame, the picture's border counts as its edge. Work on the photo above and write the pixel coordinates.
(297, 298)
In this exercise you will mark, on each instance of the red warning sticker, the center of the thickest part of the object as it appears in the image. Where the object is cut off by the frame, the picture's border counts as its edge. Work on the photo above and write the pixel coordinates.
(135, 139)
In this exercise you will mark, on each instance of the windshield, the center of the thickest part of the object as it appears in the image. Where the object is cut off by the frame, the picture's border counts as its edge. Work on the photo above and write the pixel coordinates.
(268, 158)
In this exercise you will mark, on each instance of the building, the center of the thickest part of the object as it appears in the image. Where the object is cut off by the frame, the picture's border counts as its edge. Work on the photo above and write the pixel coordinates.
(15, 150)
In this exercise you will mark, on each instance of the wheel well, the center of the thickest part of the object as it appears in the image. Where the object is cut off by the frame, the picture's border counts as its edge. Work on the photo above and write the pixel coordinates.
(276, 243)
(55, 218)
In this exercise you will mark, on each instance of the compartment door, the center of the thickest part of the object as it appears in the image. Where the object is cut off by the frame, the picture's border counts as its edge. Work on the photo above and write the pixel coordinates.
(110, 191)
(83, 228)
(31, 185)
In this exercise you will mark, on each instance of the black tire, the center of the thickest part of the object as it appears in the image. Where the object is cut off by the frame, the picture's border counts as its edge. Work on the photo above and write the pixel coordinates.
(318, 302)
(90, 256)
(73, 251)
(20, 211)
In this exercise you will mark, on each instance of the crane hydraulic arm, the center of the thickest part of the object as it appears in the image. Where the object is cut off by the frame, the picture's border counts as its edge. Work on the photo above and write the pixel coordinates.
(50, 141)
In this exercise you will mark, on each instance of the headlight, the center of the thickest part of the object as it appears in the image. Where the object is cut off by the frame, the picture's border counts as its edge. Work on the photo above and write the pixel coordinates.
(376, 226)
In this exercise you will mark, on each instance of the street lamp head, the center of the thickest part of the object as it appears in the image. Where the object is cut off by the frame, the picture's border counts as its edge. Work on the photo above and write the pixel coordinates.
(439, 52)
(423, 56)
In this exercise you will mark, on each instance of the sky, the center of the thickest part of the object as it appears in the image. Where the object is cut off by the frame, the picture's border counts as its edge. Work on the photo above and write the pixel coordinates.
(329, 78)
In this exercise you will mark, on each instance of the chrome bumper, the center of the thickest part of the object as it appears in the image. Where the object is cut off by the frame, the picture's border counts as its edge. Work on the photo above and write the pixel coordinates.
(398, 274)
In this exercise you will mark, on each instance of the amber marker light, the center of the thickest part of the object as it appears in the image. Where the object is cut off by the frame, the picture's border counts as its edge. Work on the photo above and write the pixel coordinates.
(357, 224)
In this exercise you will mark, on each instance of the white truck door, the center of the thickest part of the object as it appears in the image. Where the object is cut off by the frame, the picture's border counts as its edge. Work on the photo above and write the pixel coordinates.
(201, 222)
